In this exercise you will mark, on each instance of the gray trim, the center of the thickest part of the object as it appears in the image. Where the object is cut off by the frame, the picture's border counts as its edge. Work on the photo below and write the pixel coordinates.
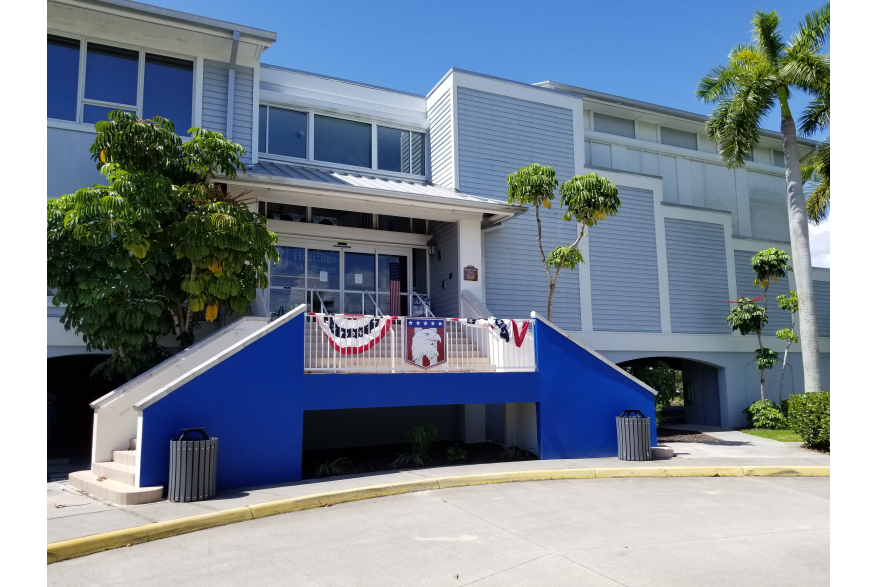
(178, 17)
(665, 110)
(602, 168)
(340, 79)
(675, 205)
(500, 79)
(767, 240)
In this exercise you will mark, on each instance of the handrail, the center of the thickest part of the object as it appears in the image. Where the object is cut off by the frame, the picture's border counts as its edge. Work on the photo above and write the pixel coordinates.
(319, 297)
(425, 305)
(476, 305)
(377, 307)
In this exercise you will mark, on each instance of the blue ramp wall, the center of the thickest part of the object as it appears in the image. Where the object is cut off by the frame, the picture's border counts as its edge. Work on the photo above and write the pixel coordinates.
(254, 403)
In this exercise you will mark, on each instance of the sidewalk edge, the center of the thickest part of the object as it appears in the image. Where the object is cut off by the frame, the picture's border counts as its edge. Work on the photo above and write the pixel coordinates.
(76, 547)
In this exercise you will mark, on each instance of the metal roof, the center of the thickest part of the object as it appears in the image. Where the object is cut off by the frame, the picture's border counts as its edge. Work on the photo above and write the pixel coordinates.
(366, 180)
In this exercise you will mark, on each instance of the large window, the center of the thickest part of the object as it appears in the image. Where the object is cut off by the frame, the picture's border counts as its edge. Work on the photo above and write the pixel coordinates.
(283, 132)
(62, 77)
(342, 141)
(400, 150)
(613, 125)
(117, 78)
(678, 138)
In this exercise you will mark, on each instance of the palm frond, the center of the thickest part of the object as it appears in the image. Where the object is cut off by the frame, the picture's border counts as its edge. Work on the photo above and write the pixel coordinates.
(722, 81)
(816, 174)
(810, 72)
(734, 123)
(816, 116)
(812, 31)
(766, 34)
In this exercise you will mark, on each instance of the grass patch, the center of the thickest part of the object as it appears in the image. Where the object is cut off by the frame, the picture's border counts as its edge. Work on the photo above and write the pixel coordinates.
(781, 435)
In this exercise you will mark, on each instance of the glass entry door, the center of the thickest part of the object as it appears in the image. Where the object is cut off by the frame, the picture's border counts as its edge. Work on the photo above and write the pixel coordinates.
(348, 281)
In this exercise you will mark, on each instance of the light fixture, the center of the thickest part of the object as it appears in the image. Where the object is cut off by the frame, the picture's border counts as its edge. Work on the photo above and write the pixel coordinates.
(431, 247)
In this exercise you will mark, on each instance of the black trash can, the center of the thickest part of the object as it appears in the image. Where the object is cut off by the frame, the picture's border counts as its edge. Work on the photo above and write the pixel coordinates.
(193, 467)
(634, 435)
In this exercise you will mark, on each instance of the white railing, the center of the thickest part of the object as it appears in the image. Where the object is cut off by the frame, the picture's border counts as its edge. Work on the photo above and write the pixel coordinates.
(377, 344)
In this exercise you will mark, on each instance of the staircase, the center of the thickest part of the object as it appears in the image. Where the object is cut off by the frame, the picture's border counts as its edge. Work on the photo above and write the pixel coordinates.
(462, 354)
(114, 481)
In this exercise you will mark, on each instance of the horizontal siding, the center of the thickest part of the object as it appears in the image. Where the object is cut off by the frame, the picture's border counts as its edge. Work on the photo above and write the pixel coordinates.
(242, 122)
(497, 136)
(441, 141)
(698, 275)
(822, 301)
(624, 267)
(445, 302)
(777, 317)
(214, 103)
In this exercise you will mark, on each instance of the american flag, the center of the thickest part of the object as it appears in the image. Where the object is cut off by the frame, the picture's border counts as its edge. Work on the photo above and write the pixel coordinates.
(395, 274)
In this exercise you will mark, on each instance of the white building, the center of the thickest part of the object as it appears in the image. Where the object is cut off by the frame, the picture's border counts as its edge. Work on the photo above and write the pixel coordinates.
(354, 176)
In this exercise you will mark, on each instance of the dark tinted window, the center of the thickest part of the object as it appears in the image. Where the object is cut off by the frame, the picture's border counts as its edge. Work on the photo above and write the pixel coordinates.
(678, 138)
(111, 74)
(613, 125)
(418, 226)
(289, 212)
(341, 218)
(341, 141)
(263, 129)
(62, 77)
(390, 148)
(287, 132)
(394, 223)
(167, 90)
(92, 114)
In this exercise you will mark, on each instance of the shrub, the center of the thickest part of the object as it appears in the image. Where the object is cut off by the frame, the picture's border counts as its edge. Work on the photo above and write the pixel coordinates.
(421, 438)
(810, 416)
(766, 416)
(455, 453)
(784, 408)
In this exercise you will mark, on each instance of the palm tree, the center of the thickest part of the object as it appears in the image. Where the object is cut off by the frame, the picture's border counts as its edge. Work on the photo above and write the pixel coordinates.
(817, 182)
(757, 76)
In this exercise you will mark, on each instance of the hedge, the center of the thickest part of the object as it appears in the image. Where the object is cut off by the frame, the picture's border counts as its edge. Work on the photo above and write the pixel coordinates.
(810, 416)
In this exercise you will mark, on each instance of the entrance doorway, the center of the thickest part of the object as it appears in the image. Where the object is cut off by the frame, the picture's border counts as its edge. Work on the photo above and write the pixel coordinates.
(353, 280)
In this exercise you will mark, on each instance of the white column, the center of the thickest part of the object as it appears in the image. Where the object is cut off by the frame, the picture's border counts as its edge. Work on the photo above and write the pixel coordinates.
(469, 241)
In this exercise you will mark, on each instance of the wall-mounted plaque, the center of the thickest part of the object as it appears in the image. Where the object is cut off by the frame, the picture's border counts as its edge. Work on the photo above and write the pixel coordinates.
(470, 273)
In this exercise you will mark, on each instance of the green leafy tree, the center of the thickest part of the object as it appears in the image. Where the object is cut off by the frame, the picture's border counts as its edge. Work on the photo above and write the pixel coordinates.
(789, 303)
(659, 376)
(748, 317)
(586, 198)
(757, 76)
(137, 259)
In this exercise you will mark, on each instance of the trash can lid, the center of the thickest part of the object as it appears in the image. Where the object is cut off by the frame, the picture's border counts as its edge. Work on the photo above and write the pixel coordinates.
(626, 414)
(200, 430)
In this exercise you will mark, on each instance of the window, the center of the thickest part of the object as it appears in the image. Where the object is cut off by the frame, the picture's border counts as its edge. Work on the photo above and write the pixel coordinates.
(778, 158)
(62, 77)
(678, 138)
(288, 212)
(400, 150)
(168, 90)
(613, 125)
(342, 141)
(117, 78)
(340, 218)
(283, 132)
(394, 223)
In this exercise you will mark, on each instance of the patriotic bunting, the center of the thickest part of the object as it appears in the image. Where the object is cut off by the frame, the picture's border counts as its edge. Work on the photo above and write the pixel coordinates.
(351, 335)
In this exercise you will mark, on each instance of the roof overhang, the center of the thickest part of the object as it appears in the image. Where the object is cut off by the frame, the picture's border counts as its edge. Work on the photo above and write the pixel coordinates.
(177, 19)
(359, 197)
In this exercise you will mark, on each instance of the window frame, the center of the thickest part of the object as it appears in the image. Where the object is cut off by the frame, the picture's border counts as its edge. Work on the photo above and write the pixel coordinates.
(82, 101)
(352, 117)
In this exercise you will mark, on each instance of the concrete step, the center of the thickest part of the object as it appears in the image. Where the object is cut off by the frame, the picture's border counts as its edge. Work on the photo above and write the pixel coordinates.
(114, 471)
(113, 491)
(125, 457)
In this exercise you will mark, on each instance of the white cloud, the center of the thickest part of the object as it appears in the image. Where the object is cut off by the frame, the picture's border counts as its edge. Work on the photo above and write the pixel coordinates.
(820, 244)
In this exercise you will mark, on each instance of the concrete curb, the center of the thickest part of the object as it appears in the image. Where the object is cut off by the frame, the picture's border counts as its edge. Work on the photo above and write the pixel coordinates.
(76, 547)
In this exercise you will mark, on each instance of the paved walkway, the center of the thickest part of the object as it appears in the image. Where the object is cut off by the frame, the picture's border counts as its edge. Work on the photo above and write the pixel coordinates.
(80, 515)
(673, 532)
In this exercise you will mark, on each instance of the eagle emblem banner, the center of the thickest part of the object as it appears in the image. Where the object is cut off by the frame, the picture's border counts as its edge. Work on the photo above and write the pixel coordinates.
(351, 335)
(425, 342)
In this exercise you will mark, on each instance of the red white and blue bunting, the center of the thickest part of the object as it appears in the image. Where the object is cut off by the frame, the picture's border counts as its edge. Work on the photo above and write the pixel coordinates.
(351, 335)
(498, 328)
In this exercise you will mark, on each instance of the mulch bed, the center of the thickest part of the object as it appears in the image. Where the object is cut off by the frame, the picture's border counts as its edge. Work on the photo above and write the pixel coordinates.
(368, 459)
(673, 435)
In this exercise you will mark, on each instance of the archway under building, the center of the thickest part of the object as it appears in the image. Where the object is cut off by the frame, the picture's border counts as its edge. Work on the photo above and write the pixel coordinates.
(698, 401)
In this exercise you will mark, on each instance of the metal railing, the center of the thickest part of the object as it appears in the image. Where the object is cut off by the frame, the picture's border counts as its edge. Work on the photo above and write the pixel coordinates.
(338, 343)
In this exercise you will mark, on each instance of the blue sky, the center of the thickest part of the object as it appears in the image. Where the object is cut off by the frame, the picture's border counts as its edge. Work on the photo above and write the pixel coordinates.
(648, 50)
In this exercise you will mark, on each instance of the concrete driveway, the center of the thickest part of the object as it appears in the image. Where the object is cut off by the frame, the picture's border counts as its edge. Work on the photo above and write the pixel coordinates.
(601, 532)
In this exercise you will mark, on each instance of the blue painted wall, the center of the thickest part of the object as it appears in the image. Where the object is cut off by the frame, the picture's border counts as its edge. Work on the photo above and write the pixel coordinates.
(254, 403)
